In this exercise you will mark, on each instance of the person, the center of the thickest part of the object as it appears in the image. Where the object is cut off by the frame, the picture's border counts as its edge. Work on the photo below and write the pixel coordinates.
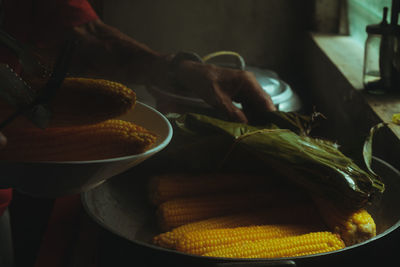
(105, 52)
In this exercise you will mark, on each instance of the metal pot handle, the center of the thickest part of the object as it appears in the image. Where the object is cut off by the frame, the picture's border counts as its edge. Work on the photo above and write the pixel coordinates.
(239, 59)
(275, 263)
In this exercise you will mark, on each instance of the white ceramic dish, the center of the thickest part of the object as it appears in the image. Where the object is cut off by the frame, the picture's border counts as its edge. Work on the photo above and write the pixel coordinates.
(53, 179)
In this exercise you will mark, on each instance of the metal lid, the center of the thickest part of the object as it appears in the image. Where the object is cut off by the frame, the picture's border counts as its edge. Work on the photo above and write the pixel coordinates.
(281, 94)
(270, 82)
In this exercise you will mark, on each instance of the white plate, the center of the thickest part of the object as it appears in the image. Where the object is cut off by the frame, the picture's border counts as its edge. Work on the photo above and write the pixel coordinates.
(53, 179)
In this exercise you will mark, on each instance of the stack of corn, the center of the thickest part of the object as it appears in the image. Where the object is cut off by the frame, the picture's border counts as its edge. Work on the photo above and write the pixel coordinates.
(205, 215)
(83, 125)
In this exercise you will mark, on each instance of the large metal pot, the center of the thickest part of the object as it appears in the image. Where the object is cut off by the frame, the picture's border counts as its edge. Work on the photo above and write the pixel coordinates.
(120, 206)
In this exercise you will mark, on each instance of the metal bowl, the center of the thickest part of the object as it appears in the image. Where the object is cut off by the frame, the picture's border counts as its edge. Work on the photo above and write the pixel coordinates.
(121, 207)
(53, 179)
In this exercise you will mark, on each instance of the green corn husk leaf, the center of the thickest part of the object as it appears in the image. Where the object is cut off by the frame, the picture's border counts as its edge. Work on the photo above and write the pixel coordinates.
(314, 164)
(367, 148)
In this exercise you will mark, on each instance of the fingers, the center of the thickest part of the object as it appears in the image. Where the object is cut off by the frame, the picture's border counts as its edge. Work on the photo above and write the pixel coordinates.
(242, 87)
(219, 86)
(221, 100)
(233, 113)
(257, 108)
(253, 94)
(255, 101)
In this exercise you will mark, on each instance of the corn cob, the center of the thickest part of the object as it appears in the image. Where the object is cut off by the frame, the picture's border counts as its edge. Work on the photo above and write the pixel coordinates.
(181, 211)
(169, 239)
(353, 226)
(292, 246)
(169, 186)
(201, 242)
(305, 214)
(112, 138)
(396, 118)
(82, 101)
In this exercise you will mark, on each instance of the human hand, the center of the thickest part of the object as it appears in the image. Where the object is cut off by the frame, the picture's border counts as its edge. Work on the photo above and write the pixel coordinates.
(220, 86)
(106, 52)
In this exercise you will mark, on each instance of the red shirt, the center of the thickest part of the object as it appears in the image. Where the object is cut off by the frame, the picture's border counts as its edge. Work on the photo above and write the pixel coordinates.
(41, 23)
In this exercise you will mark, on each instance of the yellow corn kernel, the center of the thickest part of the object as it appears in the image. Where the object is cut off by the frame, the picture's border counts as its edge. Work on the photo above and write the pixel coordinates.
(174, 185)
(353, 226)
(181, 211)
(85, 101)
(81, 101)
(169, 239)
(204, 241)
(396, 118)
(293, 214)
(109, 139)
(292, 246)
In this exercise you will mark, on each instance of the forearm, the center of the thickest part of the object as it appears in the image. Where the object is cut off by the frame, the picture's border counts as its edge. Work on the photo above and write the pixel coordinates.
(104, 51)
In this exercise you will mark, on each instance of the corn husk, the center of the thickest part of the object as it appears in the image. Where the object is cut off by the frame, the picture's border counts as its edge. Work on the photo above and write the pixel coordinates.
(314, 164)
